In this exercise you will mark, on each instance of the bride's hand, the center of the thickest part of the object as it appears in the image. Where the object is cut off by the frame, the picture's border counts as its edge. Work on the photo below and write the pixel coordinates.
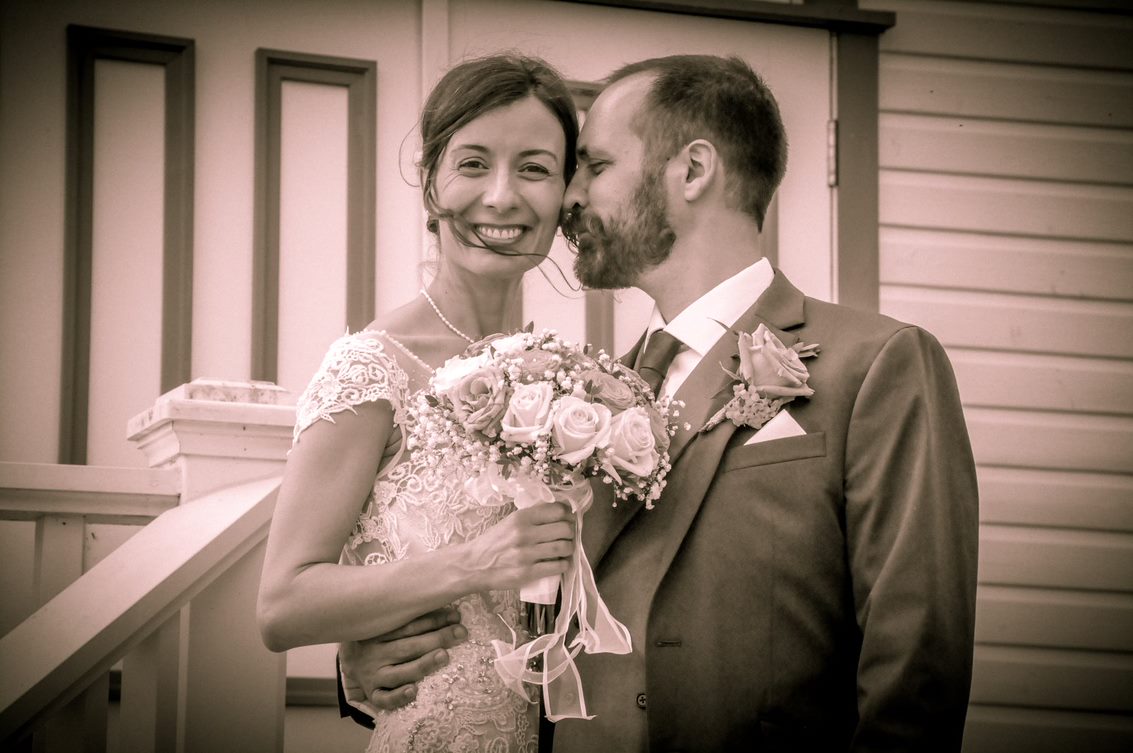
(526, 545)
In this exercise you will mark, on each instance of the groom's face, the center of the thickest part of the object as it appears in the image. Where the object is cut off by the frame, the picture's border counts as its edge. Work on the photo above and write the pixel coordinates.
(615, 204)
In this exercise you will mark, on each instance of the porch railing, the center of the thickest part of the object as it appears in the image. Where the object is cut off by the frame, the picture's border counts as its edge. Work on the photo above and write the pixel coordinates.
(175, 603)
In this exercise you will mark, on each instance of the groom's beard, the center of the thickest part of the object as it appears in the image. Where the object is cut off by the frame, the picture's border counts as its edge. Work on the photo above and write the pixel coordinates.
(614, 256)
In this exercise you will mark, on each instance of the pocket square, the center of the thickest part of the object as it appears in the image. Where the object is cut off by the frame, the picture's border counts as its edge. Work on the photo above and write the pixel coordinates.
(781, 426)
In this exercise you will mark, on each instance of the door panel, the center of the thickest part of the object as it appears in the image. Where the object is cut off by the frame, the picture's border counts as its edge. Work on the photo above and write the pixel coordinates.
(126, 255)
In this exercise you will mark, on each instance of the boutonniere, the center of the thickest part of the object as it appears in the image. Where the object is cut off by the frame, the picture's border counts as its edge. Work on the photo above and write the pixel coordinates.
(770, 376)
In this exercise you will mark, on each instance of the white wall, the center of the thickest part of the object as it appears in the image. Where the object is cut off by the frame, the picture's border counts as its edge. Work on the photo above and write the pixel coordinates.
(32, 150)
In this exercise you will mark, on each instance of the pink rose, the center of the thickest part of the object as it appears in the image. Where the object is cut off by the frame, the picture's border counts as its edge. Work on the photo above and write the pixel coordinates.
(578, 428)
(455, 370)
(528, 413)
(632, 443)
(775, 370)
(608, 390)
(478, 399)
(507, 343)
(535, 363)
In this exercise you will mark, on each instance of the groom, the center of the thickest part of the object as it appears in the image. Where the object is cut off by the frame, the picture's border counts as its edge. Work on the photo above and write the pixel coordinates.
(807, 580)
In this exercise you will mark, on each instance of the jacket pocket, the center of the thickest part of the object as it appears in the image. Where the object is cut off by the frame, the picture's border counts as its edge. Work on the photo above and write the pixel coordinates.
(775, 451)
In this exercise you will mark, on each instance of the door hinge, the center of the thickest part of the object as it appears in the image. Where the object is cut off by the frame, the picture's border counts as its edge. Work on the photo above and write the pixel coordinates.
(832, 153)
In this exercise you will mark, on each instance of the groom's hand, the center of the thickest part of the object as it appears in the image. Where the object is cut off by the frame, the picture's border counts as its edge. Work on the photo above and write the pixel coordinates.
(388, 668)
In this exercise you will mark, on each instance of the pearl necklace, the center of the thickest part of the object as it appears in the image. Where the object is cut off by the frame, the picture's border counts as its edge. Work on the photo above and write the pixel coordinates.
(444, 320)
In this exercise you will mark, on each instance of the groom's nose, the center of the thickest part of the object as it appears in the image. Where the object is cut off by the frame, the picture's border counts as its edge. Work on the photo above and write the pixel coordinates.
(575, 196)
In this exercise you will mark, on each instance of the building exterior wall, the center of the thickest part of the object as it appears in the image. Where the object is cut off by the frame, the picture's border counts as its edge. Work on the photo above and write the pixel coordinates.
(1006, 202)
(33, 149)
(1006, 149)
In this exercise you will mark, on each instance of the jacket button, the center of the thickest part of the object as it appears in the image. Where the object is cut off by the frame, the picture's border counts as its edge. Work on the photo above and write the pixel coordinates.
(641, 700)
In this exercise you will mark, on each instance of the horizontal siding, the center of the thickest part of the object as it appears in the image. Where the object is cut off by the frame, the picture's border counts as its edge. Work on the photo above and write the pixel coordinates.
(953, 145)
(974, 261)
(1063, 441)
(998, 205)
(991, 32)
(1020, 323)
(1053, 618)
(1003, 729)
(1047, 678)
(1067, 499)
(1056, 558)
(1005, 91)
(1042, 382)
(1006, 207)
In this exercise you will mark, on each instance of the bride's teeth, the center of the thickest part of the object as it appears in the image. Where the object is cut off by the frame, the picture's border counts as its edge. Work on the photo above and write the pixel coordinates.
(499, 233)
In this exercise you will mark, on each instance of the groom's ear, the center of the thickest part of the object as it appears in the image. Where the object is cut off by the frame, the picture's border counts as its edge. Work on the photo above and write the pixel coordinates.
(700, 164)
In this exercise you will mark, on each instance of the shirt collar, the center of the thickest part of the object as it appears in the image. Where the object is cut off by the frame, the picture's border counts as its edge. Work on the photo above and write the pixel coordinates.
(726, 303)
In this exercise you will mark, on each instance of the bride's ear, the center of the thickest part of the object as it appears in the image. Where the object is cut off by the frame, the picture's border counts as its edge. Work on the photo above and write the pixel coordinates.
(700, 167)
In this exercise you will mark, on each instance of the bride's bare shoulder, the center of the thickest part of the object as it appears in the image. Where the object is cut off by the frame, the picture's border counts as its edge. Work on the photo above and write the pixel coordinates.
(412, 327)
(405, 320)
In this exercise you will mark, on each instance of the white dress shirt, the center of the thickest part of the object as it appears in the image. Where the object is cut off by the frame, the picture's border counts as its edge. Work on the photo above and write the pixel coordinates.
(695, 327)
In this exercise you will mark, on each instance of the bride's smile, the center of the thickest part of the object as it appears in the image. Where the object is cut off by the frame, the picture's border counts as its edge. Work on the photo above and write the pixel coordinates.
(500, 233)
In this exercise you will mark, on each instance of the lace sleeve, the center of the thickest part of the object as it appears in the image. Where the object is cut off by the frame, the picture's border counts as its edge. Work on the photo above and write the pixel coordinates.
(356, 369)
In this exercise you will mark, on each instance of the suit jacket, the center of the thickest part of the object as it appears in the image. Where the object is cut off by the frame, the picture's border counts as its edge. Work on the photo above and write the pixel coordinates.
(809, 593)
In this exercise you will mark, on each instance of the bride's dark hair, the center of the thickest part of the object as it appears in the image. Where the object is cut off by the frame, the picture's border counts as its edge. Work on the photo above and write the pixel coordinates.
(469, 90)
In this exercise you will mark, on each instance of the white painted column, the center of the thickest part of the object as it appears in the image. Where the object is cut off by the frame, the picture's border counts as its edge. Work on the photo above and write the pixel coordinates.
(217, 432)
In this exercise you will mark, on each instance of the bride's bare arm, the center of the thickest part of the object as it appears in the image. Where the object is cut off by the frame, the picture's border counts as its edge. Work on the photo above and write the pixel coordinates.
(306, 597)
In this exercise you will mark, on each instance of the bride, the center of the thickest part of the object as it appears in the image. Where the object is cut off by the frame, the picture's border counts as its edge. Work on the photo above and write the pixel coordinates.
(498, 141)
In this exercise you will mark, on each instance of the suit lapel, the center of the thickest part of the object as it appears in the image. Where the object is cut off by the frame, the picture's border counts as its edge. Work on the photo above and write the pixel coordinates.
(709, 386)
(781, 307)
(707, 389)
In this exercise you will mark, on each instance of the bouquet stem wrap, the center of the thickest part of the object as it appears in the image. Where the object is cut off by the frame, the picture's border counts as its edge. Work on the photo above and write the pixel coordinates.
(598, 631)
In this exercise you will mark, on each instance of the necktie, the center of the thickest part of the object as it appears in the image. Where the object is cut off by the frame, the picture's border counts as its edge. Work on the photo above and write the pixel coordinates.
(655, 359)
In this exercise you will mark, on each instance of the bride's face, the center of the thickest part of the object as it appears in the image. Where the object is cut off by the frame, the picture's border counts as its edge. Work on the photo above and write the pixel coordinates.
(502, 173)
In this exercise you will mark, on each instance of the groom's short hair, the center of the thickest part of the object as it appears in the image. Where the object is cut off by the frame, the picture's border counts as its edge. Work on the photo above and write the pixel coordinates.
(721, 100)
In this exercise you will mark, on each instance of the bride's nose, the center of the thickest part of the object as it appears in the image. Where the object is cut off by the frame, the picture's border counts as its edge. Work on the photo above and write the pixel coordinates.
(500, 193)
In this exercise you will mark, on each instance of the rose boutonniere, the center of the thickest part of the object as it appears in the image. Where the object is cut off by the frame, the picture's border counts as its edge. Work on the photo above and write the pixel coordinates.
(770, 376)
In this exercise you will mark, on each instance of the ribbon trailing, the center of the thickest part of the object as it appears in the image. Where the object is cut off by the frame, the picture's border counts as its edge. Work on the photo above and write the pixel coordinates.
(598, 631)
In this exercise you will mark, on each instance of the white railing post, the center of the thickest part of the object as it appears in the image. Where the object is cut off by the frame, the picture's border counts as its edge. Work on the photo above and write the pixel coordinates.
(230, 689)
(217, 432)
(81, 724)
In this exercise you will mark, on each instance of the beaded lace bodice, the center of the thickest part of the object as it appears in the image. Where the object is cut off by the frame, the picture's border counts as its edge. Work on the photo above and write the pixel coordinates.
(414, 508)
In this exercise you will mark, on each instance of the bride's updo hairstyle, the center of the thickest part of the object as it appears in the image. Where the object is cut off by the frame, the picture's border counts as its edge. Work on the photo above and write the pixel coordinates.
(477, 86)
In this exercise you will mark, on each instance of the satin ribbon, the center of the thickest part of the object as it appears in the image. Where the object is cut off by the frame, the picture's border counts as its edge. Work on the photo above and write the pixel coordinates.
(598, 631)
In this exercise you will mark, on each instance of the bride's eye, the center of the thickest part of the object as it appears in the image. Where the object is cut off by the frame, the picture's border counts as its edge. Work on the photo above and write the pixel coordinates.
(534, 171)
(471, 165)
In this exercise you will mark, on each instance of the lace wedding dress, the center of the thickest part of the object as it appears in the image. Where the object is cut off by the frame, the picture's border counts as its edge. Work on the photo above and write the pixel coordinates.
(413, 509)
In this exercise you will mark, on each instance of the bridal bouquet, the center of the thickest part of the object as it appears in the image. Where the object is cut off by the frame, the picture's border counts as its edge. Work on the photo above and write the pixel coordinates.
(531, 418)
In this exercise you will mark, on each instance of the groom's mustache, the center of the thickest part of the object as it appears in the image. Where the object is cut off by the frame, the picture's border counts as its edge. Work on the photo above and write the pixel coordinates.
(577, 221)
